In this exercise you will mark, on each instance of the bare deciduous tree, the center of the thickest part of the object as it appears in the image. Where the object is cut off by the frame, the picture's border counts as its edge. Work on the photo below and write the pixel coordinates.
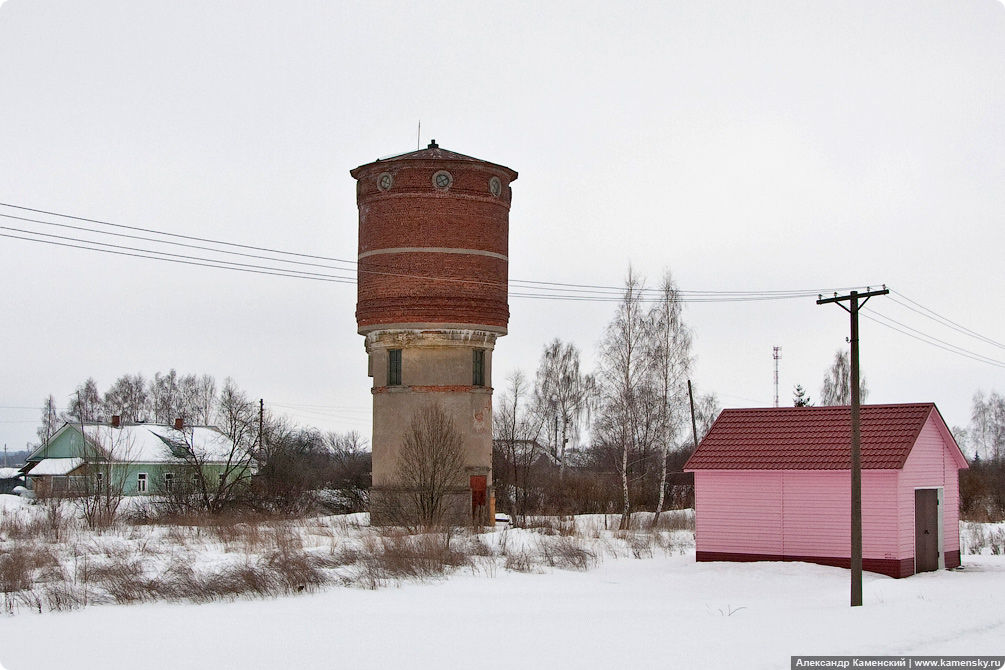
(215, 480)
(165, 397)
(515, 446)
(50, 420)
(706, 411)
(107, 453)
(669, 354)
(85, 403)
(623, 369)
(562, 397)
(430, 466)
(350, 471)
(836, 389)
(986, 435)
(197, 399)
(128, 398)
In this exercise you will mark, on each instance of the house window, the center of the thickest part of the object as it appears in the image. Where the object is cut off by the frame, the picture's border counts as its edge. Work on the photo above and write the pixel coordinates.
(99, 480)
(478, 367)
(141, 482)
(223, 479)
(169, 482)
(394, 367)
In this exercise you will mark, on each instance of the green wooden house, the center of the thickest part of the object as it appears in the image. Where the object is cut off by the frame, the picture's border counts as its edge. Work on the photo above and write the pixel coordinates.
(134, 459)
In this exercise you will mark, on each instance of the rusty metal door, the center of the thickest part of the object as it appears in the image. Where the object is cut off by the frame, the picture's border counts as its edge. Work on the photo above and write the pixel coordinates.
(926, 530)
(479, 487)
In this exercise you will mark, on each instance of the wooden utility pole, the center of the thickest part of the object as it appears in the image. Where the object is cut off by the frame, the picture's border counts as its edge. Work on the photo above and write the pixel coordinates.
(856, 437)
(261, 421)
(694, 426)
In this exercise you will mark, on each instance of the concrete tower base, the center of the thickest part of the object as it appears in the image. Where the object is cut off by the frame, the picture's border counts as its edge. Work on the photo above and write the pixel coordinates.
(414, 371)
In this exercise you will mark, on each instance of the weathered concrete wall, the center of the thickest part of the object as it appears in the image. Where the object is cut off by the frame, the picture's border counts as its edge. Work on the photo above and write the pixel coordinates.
(436, 368)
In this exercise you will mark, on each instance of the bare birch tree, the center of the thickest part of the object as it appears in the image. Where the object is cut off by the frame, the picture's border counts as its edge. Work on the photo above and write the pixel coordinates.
(165, 397)
(562, 397)
(669, 354)
(85, 403)
(50, 420)
(987, 425)
(623, 369)
(197, 399)
(128, 398)
(836, 389)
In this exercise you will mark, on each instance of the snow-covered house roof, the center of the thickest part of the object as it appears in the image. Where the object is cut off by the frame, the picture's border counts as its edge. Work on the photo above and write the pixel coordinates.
(147, 443)
(135, 443)
(56, 466)
(10, 473)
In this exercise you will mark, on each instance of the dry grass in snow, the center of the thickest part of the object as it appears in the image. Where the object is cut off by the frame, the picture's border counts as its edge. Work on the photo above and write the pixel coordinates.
(51, 561)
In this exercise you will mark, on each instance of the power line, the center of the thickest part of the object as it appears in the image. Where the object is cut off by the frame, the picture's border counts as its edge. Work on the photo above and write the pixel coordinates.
(185, 237)
(517, 288)
(557, 290)
(174, 260)
(149, 254)
(931, 340)
(155, 241)
(927, 313)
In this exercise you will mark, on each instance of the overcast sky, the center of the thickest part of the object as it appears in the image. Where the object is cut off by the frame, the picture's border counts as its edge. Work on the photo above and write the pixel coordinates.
(744, 146)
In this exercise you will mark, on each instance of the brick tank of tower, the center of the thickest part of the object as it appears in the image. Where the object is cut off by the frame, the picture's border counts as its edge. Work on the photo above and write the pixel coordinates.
(432, 299)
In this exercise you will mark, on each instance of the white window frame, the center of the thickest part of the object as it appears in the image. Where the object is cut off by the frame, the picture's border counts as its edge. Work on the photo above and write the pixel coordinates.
(141, 482)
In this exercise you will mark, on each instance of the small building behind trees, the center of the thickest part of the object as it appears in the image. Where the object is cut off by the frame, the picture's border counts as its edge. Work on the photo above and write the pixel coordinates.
(10, 478)
(133, 459)
(774, 484)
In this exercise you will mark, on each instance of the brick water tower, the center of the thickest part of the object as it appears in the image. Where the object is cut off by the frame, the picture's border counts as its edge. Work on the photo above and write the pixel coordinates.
(432, 299)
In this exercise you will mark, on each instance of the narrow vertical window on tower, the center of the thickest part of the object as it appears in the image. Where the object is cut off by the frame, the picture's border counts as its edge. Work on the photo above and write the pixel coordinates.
(478, 367)
(394, 367)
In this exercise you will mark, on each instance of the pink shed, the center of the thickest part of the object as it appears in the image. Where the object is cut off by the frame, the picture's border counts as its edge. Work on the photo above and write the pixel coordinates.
(774, 484)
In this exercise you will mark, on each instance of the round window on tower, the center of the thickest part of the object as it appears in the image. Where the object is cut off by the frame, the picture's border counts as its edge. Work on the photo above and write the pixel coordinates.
(384, 181)
(442, 180)
(495, 186)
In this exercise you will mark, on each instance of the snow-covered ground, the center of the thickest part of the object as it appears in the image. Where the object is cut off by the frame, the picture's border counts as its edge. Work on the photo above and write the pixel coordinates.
(659, 611)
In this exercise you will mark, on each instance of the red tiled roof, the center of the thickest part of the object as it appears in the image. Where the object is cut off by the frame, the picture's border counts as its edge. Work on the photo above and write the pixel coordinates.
(810, 438)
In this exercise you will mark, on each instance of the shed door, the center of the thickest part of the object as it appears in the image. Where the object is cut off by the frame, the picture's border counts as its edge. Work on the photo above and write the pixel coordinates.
(479, 487)
(926, 530)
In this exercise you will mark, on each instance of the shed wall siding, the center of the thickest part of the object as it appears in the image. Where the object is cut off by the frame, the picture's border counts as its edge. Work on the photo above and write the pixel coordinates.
(930, 465)
(817, 513)
(738, 512)
(951, 510)
(794, 513)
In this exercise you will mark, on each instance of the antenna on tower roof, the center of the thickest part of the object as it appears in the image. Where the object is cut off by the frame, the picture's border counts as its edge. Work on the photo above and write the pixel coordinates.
(418, 137)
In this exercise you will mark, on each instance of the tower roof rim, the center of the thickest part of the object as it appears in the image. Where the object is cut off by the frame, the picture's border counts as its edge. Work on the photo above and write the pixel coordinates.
(434, 153)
